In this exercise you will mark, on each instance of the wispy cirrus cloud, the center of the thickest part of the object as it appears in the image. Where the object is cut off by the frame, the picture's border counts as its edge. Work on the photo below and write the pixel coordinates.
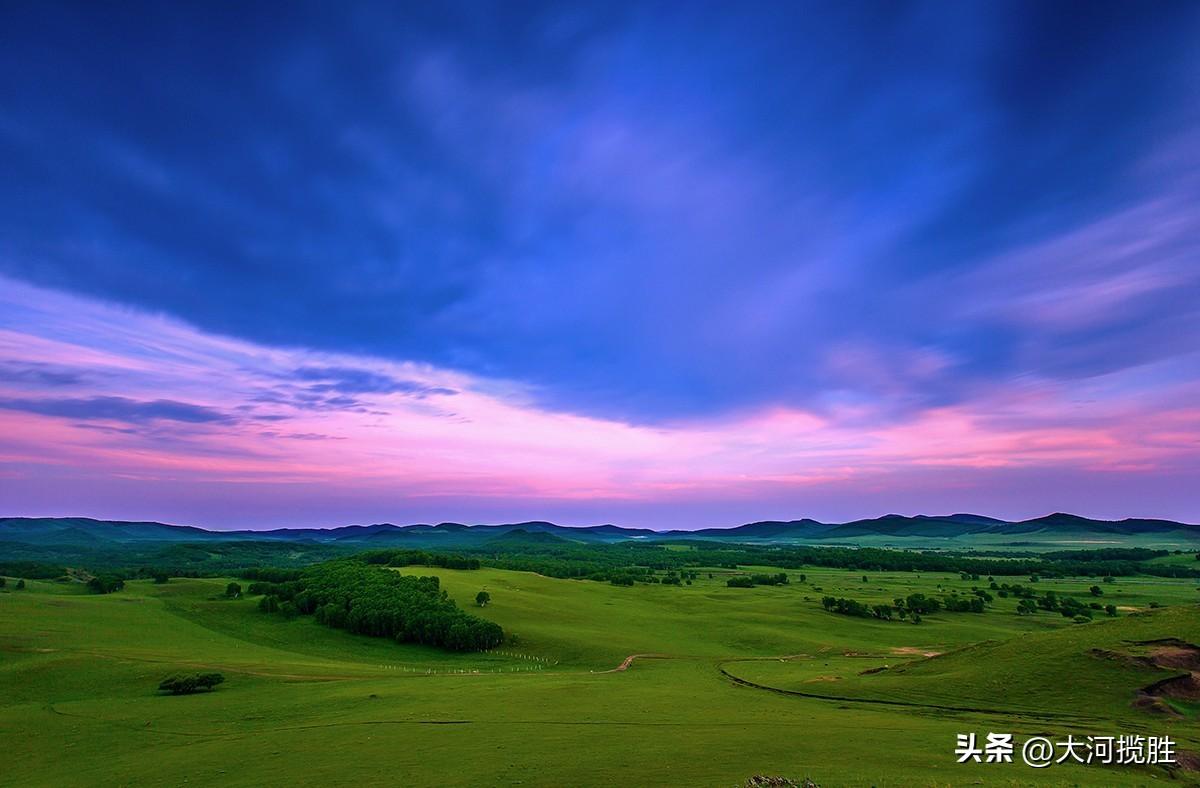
(353, 380)
(675, 214)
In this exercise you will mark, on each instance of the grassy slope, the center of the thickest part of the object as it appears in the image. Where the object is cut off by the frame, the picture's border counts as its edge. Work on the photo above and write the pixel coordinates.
(1054, 673)
(305, 704)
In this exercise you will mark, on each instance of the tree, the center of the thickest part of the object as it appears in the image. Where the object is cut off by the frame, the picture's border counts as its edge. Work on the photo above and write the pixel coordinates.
(1110, 579)
(160, 578)
(866, 579)
(919, 603)
(1111, 610)
(3, 582)
(20, 584)
(482, 598)
(1096, 591)
(233, 590)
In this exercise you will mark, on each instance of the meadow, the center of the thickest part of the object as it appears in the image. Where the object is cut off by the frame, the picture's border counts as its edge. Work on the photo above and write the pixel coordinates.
(728, 683)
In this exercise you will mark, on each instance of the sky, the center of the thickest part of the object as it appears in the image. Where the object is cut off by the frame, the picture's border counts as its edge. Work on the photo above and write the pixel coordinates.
(671, 265)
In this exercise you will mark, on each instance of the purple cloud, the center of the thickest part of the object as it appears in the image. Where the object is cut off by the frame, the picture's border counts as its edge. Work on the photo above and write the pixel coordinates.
(118, 409)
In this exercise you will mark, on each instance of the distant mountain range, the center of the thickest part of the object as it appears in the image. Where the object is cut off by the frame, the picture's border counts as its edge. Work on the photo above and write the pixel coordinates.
(889, 529)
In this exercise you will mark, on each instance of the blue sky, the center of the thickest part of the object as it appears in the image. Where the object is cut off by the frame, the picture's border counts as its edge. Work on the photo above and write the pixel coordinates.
(655, 216)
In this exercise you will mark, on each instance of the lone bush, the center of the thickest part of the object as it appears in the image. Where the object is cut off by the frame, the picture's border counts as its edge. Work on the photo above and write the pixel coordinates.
(190, 683)
(105, 584)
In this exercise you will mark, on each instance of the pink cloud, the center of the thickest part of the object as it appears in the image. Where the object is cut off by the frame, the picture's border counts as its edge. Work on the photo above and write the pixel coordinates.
(470, 438)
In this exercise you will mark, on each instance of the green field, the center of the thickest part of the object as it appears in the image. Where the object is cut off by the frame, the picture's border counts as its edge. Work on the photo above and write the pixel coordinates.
(740, 682)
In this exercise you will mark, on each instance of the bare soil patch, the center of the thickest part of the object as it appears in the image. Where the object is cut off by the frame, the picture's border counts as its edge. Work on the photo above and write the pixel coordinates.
(1184, 657)
(628, 661)
(1187, 760)
(1169, 654)
(1185, 687)
(913, 651)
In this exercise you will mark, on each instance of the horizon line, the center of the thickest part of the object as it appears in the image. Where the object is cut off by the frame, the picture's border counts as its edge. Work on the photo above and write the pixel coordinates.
(594, 526)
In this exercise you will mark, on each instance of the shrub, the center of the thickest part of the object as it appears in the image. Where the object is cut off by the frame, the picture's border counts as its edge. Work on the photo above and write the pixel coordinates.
(190, 683)
(105, 584)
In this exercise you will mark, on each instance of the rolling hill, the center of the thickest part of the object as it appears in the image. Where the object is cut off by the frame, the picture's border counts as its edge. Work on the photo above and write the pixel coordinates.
(949, 530)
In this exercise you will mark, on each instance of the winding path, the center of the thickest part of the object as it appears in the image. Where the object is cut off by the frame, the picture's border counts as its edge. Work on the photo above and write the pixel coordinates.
(629, 661)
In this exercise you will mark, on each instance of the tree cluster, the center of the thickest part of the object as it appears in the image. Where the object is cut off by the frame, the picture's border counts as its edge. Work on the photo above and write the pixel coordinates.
(368, 599)
(749, 581)
(408, 557)
(911, 607)
(269, 574)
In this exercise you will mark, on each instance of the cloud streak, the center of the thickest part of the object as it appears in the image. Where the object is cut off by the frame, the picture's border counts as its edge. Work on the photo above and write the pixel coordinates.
(117, 409)
(186, 413)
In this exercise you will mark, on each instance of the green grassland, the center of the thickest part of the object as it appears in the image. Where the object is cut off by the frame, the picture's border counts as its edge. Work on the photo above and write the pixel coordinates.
(741, 682)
